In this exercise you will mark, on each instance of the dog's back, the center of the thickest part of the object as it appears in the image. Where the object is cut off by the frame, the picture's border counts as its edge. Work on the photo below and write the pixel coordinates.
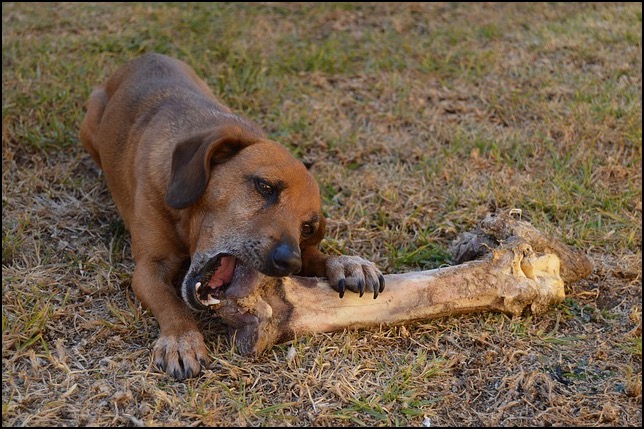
(135, 94)
(140, 110)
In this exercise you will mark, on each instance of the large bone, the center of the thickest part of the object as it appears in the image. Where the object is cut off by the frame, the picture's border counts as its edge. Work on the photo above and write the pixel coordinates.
(512, 278)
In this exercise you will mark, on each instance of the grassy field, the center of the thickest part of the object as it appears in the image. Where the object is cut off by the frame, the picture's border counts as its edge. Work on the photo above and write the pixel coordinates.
(416, 118)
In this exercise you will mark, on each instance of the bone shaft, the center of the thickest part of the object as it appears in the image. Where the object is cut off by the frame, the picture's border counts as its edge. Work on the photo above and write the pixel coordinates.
(407, 297)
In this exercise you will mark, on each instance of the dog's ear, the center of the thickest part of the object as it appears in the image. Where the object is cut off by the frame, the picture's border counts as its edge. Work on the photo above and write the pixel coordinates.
(194, 157)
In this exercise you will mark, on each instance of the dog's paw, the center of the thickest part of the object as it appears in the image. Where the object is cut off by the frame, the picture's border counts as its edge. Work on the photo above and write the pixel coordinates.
(354, 273)
(181, 356)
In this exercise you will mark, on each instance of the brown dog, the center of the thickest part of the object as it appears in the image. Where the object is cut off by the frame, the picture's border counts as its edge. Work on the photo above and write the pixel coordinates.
(201, 187)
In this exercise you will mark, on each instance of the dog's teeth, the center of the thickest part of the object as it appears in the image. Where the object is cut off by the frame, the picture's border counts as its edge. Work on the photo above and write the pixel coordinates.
(198, 285)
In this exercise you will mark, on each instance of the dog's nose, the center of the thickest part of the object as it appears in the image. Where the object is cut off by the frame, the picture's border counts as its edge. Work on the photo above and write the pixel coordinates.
(286, 259)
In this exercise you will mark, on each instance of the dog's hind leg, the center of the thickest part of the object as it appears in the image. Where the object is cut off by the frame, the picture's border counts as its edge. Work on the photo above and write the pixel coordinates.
(90, 125)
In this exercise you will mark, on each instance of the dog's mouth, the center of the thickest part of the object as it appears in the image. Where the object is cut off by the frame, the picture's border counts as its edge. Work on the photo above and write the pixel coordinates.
(219, 277)
(218, 273)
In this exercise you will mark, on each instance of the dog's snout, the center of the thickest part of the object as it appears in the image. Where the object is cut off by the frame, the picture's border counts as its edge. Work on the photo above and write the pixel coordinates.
(286, 259)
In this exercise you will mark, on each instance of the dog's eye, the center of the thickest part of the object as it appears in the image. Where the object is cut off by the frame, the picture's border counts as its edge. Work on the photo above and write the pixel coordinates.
(307, 230)
(264, 188)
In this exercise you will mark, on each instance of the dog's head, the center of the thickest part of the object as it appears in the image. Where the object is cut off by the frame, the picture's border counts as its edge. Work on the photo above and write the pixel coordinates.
(250, 206)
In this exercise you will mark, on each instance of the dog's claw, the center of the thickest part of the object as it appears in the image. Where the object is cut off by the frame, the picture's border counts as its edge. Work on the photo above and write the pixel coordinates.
(160, 363)
(341, 285)
(361, 287)
(380, 287)
(178, 375)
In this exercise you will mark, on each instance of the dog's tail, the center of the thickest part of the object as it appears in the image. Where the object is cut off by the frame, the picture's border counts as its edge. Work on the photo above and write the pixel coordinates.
(89, 127)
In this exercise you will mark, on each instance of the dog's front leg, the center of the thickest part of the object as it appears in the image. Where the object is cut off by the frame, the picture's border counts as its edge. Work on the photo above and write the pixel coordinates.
(180, 350)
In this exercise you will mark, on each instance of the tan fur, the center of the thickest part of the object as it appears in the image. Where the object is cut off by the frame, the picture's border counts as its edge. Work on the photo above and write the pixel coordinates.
(183, 171)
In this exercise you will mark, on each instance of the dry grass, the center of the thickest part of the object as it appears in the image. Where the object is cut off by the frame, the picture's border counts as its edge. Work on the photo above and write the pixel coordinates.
(416, 117)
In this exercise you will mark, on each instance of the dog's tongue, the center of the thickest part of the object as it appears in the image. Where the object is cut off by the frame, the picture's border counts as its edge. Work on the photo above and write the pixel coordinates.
(224, 273)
